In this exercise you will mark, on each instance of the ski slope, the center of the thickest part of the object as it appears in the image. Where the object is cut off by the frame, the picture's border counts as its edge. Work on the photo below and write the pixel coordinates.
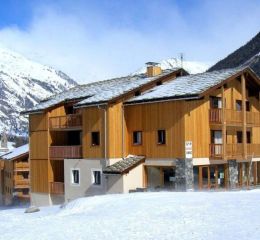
(162, 215)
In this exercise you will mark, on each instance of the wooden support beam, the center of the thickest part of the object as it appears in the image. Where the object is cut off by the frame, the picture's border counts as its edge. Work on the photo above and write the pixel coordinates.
(243, 85)
(224, 127)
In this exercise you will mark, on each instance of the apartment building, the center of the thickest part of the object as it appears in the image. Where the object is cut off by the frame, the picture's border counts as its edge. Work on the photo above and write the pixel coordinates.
(159, 130)
(76, 134)
(14, 176)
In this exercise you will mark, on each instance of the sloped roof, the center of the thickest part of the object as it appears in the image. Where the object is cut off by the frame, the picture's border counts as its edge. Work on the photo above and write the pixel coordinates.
(98, 92)
(124, 165)
(187, 86)
(16, 152)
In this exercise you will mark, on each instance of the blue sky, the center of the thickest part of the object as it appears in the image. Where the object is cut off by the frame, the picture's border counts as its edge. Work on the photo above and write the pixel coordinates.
(92, 40)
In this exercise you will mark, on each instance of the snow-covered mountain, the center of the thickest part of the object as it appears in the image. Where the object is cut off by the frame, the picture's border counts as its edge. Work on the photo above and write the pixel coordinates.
(247, 55)
(23, 83)
(190, 66)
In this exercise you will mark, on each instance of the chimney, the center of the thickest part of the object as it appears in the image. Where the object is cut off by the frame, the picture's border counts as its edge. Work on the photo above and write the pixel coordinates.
(153, 69)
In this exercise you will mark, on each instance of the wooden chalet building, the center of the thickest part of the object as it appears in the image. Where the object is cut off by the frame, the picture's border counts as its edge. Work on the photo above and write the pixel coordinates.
(14, 176)
(76, 134)
(124, 134)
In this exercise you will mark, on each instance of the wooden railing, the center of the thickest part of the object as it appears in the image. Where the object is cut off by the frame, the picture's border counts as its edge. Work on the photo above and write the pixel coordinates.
(253, 118)
(22, 182)
(56, 187)
(73, 121)
(61, 152)
(215, 115)
(216, 150)
(253, 150)
(233, 117)
(21, 165)
(234, 150)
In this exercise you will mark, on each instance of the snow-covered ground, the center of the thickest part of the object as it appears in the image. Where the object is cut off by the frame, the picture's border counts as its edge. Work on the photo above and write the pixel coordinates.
(162, 215)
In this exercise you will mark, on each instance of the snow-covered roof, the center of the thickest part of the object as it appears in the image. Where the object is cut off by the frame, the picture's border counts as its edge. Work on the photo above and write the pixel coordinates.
(16, 152)
(124, 165)
(186, 86)
(98, 92)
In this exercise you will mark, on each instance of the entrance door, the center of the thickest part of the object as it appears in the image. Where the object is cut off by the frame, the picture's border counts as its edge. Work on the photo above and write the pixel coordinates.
(169, 177)
(204, 177)
(211, 176)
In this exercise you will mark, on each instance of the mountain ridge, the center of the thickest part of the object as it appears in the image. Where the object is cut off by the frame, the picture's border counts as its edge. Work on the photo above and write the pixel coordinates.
(23, 83)
(246, 55)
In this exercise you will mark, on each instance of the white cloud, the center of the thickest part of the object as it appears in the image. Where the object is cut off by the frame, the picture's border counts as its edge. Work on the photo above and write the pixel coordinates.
(90, 46)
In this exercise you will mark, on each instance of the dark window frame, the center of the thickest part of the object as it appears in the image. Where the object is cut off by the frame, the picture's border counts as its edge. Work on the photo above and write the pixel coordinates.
(96, 177)
(95, 138)
(75, 176)
(136, 141)
(161, 137)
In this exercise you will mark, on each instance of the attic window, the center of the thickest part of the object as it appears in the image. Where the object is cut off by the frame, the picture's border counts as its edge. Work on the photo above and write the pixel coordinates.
(158, 83)
(137, 93)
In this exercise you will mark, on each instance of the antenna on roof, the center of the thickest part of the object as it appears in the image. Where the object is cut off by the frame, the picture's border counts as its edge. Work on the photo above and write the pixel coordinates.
(181, 57)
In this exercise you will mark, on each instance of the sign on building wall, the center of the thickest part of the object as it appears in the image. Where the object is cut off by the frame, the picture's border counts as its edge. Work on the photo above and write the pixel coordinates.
(188, 149)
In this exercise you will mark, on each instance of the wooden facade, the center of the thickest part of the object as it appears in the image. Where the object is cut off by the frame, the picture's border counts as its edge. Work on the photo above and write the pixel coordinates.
(57, 134)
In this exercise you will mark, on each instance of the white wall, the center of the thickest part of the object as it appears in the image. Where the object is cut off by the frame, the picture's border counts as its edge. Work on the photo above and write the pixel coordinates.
(133, 179)
(85, 188)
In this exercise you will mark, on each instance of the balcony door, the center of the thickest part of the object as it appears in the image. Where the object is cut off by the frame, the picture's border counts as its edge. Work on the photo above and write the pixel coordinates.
(216, 140)
(216, 102)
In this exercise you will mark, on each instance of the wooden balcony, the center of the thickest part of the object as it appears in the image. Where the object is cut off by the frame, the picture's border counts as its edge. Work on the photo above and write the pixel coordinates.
(62, 152)
(68, 122)
(215, 115)
(253, 118)
(21, 166)
(234, 150)
(233, 117)
(21, 183)
(56, 187)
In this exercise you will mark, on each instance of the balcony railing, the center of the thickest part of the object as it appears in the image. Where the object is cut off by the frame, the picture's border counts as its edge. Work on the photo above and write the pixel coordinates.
(233, 117)
(56, 187)
(22, 183)
(234, 150)
(62, 152)
(253, 118)
(215, 115)
(21, 166)
(71, 121)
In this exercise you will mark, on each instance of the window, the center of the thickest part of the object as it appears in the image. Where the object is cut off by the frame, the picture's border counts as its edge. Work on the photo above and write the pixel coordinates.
(95, 138)
(239, 105)
(96, 176)
(161, 137)
(239, 137)
(75, 176)
(137, 137)
(248, 137)
(247, 106)
(215, 102)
